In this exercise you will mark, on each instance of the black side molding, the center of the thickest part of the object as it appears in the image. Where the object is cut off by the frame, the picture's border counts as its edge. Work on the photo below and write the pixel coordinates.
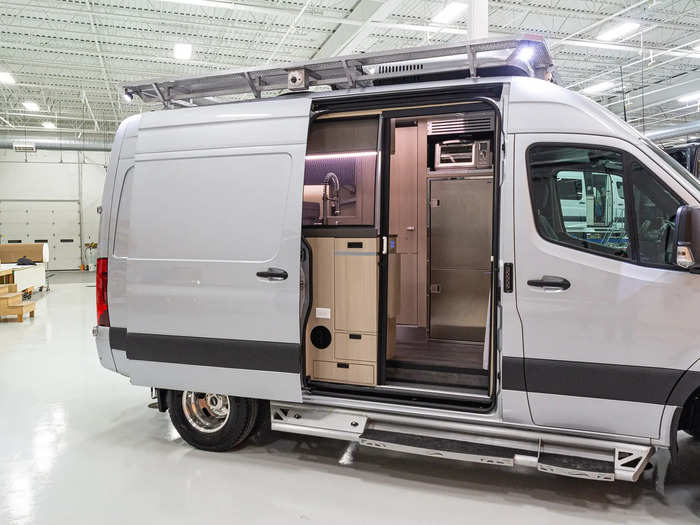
(204, 351)
(639, 384)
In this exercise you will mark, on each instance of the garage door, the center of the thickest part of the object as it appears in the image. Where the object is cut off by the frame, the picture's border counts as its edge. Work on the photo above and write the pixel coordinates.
(54, 222)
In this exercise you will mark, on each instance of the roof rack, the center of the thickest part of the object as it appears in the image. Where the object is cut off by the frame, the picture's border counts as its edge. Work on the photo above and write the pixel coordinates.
(523, 56)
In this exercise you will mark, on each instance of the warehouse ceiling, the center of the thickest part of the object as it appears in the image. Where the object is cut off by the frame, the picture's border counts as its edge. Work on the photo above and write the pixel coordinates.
(70, 57)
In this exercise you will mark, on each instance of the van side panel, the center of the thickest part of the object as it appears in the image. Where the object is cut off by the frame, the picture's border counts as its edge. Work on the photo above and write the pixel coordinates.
(216, 201)
(122, 153)
(514, 405)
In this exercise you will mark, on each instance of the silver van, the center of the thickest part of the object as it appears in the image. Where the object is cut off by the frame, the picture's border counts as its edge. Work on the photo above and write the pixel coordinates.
(390, 262)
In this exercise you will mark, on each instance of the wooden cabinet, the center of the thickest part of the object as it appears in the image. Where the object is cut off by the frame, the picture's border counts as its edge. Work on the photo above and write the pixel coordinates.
(356, 284)
(345, 301)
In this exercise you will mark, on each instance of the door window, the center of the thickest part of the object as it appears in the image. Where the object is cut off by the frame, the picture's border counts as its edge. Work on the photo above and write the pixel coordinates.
(577, 199)
(601, 201)
(655, 212)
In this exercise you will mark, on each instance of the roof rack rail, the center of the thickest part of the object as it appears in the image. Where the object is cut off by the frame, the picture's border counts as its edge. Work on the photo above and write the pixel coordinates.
(524, 56)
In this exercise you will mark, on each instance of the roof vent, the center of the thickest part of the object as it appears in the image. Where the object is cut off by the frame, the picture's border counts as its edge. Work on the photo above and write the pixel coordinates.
(470, 123)
(24, 147)
(399, 68)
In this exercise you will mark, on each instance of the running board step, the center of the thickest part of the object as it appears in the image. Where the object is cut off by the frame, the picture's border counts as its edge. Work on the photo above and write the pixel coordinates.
(576, 467)
(565, 455)
(441, 447)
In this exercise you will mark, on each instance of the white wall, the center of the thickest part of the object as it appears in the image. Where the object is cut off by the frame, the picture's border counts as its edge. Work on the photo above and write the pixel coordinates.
(55, 175)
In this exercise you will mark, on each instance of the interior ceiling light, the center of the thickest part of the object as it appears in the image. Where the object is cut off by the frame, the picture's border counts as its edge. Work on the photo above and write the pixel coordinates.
(598, 88)
(450, 13)
(525, 53)
(48, 125)
(344, 155)
(6, 78)
(617, 32)
(30, 105)
(182, 51)
(690, 97)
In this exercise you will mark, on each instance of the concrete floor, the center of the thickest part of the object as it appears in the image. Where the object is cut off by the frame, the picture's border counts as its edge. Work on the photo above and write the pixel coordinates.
(79, 445)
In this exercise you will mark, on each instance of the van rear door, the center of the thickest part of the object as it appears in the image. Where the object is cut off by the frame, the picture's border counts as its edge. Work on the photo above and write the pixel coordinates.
(214, 249)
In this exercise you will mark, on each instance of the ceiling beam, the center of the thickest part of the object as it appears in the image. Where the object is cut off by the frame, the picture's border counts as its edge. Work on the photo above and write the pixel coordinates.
(345, 37)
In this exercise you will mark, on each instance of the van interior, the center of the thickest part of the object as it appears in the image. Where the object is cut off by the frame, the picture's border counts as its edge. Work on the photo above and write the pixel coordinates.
(397, 267)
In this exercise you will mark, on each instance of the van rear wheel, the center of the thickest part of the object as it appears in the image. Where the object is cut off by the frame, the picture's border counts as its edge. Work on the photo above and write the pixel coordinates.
(213, 422)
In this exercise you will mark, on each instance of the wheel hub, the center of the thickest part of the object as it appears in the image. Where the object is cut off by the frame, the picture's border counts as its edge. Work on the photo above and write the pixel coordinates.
(207, 413)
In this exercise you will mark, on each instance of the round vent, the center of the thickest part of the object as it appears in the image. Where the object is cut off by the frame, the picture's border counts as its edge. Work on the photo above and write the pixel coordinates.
(321, 337)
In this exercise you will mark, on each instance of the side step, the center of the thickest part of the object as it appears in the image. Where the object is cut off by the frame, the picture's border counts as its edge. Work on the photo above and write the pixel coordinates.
(577, 467)
(564, 455)
(440, 447)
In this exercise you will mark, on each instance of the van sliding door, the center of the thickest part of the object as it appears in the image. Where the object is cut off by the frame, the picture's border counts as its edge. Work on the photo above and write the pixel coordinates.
(214, 249)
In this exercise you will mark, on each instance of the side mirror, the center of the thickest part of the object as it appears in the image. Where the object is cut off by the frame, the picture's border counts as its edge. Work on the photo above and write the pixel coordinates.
(688, 238)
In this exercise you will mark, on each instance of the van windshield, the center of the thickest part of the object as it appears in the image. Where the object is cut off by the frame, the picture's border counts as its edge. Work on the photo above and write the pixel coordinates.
(674, 164)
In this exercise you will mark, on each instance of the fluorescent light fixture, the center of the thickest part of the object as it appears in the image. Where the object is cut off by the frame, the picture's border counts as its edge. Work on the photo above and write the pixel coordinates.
(341, 155)
(203, 3)
(525, 53)
(48, 125)
(617, 32)
(690, 97)
(30, 105)
(182, 51)
(6, 78)
(450, 13)
(598, 88)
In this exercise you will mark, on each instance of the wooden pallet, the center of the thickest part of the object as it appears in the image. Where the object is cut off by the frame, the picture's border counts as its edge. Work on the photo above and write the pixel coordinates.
(11, 303)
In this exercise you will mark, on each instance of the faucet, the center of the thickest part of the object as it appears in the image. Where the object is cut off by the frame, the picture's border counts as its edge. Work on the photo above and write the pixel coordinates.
(331, 195)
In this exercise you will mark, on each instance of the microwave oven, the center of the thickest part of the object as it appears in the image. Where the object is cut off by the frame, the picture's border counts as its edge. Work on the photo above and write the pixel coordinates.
(461, 153)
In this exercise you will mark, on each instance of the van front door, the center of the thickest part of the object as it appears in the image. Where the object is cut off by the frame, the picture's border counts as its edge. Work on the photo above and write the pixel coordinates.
(214, 249)
(607, 320)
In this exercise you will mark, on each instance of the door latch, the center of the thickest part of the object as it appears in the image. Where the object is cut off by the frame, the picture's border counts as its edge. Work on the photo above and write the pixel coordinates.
(508, 278)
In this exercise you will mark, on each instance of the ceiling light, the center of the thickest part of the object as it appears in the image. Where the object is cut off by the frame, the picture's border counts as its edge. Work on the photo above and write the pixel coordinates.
(203, 3)
(6, 78)
(182, 51)
(30, 105)
(450, 13)
(525, 53)
(598, 88)
(617, 32)
(690, 97)
(48, 125)
(349, 154)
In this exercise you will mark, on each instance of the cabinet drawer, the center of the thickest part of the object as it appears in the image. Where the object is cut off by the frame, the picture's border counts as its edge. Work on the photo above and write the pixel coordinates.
(344, 372)
(355, 347)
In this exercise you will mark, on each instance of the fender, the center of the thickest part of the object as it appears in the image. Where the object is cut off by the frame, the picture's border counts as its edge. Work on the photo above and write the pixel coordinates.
(688, 383)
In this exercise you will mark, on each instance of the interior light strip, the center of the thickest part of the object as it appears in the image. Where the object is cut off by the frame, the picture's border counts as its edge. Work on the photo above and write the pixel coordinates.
(341, 155)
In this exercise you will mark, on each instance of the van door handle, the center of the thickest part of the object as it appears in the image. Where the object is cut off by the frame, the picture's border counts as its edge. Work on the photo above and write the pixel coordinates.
(273, 274)
(550, 281)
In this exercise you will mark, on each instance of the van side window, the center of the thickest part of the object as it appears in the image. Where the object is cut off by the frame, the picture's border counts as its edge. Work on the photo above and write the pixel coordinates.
(577, 198)
(655, 212)
(121, 232)
(621, 209)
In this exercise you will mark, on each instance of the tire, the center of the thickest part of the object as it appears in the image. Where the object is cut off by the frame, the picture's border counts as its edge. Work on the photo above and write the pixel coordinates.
(212, 422)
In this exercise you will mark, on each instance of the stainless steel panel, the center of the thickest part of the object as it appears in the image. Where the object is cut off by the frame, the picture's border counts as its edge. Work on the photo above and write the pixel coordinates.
(458, 310)
(460, 223)
(460, 212)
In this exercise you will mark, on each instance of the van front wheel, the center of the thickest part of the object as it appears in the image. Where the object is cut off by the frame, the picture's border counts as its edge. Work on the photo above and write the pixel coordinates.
(213, 422)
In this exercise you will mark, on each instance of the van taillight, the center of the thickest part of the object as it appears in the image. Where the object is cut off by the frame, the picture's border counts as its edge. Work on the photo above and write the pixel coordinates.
(102, 308)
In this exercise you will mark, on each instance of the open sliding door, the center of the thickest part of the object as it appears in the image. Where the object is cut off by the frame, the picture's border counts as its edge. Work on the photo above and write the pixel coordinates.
(214, 249)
